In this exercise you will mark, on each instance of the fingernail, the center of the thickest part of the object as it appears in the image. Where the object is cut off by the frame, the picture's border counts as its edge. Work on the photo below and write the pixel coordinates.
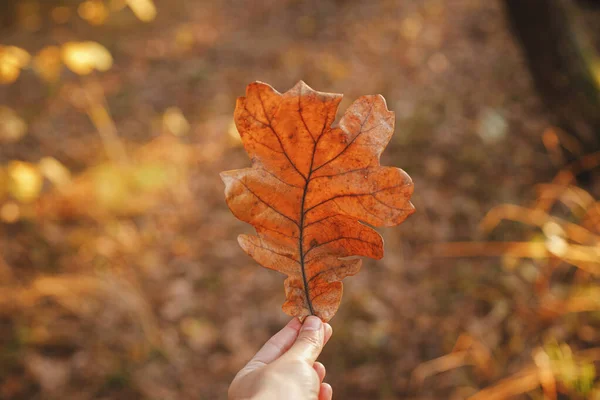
(312, 323)
(328, 332)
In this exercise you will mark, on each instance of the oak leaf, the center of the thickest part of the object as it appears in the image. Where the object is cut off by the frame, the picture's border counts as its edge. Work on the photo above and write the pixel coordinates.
(311, 185)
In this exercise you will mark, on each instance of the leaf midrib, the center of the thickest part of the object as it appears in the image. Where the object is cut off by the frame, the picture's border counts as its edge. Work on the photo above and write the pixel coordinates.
(302, 211)
(301, 237)
(307, 180)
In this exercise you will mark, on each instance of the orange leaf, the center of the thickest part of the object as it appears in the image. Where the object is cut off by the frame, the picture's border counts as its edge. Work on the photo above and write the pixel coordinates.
(309, 186)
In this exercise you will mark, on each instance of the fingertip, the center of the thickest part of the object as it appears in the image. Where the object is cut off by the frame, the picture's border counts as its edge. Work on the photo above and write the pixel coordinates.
(325, 392)
(295, 324)
(312, 323)
(310, 340)
(320, 369)
(328, 332)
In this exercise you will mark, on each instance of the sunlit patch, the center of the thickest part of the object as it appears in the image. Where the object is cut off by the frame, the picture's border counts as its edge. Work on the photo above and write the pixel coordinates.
(333, 66)
(111, 186)
(24, 181)
(200, 334)
(12, 127)
(85, 57)
(555, 238)
(492, 126)
(595, 69)
(10, 212)
(122, 188)
(145, 10)
(3, 183)
(234, 136)
(12, 60)
(47, 63)
(563, 366)
(93, 11)
(185, 38)
(175, 122)
(411, 27)
(54, 171)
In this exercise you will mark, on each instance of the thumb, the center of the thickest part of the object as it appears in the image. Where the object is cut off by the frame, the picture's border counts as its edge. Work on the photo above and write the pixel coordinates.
(310, 340)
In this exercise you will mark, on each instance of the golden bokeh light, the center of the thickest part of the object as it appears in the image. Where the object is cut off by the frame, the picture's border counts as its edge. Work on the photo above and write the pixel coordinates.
(175, 122)
(93, 11)
(145, 10)
(54, 171)
(120, 271)
(10, 212)
(184, 38)
(24, 181)
(8, 73)
(234, 136)
(12, 60)
(411, 27)
(85, 57)
(12, 127)
(47, 63)
(3, 183)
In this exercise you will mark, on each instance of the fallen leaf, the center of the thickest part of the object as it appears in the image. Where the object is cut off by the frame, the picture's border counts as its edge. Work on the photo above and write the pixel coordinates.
(311, 185)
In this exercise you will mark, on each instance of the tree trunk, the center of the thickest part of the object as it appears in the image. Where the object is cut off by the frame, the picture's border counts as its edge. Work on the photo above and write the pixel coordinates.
(563, 61)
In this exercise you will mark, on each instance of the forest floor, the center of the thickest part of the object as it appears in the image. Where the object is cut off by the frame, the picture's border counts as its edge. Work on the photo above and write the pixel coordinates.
(146, 294)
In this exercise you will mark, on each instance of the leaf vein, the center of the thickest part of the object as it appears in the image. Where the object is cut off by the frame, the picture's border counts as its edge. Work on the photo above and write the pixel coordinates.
(266, 203)
(360, 132)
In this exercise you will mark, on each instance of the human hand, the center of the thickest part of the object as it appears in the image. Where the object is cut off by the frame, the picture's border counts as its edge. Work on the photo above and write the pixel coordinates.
(285, 367)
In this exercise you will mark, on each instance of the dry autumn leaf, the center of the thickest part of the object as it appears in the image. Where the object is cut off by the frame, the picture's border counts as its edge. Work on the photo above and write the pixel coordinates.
(309, 187)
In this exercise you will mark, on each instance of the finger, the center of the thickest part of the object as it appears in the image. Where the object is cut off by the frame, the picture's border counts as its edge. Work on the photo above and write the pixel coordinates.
(310, 341)
(328, 333)
(321, 371)
(278, 344)
(325, 392)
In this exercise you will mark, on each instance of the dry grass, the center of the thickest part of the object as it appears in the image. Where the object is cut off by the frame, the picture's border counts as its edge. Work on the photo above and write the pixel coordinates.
(560, 243)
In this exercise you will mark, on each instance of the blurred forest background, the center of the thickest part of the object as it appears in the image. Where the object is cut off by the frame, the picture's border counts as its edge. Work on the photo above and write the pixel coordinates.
(120, 273)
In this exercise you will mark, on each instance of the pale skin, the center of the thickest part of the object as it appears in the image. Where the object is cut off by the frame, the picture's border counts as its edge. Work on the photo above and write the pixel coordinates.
(286, 366)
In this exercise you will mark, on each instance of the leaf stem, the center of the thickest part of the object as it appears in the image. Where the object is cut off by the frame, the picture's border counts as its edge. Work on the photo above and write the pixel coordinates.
(301, 233)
